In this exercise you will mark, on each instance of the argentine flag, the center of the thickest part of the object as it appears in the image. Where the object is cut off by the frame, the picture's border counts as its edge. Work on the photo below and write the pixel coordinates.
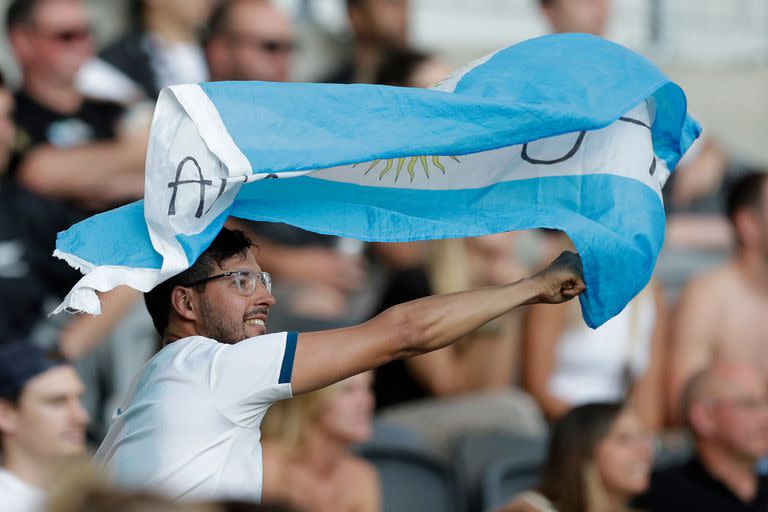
(567, 132)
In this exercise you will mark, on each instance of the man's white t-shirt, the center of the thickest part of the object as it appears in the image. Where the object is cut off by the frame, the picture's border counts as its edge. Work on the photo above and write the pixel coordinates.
(18, 496)
(189, 426)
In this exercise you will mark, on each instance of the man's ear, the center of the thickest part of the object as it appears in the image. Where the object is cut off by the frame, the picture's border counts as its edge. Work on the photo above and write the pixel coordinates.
(184, 304)
(18, 37)
(747, 226)
(700, 417)
(7, 417)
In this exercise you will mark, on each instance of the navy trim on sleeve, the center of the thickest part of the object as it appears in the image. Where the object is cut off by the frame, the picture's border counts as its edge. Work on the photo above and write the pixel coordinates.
(286, 369)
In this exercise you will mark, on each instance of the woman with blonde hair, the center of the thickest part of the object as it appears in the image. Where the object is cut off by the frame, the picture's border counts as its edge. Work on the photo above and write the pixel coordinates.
(306, 441)
(599, 458)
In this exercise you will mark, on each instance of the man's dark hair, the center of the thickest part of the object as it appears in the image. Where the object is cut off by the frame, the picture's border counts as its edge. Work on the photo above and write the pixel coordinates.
(20, 12)
(227, 244)
(745, 192)
(545, 3)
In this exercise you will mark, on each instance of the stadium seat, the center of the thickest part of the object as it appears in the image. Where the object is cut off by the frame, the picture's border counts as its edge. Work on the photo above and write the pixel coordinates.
(387, 434)
(476, 452)
(413, 481)
(507, 478)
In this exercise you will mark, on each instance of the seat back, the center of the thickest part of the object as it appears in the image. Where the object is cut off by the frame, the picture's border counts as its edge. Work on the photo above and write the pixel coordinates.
(412, 480)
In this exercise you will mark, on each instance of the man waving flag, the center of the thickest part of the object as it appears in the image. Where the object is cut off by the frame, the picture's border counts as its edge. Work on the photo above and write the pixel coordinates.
(567, 132)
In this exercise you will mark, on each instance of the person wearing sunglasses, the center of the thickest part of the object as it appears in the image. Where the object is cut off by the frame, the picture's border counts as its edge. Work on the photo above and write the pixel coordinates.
(190, 424)
(249, 40)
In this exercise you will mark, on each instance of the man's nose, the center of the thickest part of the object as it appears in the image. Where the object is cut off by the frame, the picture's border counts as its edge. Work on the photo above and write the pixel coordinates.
(79, 414)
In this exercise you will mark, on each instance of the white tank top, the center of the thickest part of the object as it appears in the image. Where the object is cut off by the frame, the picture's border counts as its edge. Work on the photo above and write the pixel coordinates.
(589, 364)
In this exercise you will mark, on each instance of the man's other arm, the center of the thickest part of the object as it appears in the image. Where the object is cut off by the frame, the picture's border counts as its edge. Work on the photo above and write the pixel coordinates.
(97, 174)
(424, 325)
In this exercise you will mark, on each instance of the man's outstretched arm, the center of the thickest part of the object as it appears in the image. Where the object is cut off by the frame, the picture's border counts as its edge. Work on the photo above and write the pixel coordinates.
(424, 325)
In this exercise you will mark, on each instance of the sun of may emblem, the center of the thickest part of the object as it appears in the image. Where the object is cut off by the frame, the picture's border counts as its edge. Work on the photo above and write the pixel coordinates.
(425, 162)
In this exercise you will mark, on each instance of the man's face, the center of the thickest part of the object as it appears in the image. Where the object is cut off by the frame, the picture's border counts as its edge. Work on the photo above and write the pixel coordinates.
(382, 22)
(259, 43)
(225, 314)
(738, 414)
(57, 42)
(7, 127)
(588, 16)
(49, 420)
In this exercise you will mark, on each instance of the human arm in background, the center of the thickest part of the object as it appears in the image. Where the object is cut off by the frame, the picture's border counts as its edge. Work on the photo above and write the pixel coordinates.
(692, 341)
(543, 328)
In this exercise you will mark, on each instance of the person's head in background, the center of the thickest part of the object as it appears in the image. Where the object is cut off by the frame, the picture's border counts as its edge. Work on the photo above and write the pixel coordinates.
(249, 40)
(42, 422)
(726, 409)
(85, 490)
(599, 457)
(7, 126)
(588, 16)
(339, 416)
(172, 20)
(51, 40)
(747, 210)
(410, 68)
(382, 23)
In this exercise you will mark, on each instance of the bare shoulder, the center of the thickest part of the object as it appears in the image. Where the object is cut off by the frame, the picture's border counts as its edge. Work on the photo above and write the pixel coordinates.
(358, 470)
(714, 284)
(361, 481)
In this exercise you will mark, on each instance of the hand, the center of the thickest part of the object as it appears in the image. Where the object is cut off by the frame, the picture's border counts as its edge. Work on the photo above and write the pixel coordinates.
(561, 281)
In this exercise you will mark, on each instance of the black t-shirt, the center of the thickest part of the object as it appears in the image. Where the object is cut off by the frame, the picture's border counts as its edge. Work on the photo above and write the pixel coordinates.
(691, 487)
(29, 222)
(20, 283)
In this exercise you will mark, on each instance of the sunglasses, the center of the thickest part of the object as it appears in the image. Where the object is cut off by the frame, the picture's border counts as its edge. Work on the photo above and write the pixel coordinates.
(273, 46)
(67, 36)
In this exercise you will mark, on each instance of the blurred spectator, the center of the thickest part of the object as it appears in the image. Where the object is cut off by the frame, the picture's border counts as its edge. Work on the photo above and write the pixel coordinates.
(721, 314)
(568, 363)
(162, 48)
(21, 287)
(306, 442)
(599, 457)
(249, 40)
(42, 423)
(726, 408)
(62, 133)
(588, 16)
(378, 26)
(470, 385)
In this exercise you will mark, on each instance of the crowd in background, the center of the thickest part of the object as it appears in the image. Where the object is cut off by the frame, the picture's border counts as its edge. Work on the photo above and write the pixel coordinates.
(73, 142)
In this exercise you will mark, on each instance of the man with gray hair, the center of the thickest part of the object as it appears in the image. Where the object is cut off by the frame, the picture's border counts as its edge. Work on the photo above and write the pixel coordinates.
(726, 409)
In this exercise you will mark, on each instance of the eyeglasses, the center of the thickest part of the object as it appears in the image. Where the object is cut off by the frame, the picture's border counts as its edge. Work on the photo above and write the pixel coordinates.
(273, 46)
(243, 280)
